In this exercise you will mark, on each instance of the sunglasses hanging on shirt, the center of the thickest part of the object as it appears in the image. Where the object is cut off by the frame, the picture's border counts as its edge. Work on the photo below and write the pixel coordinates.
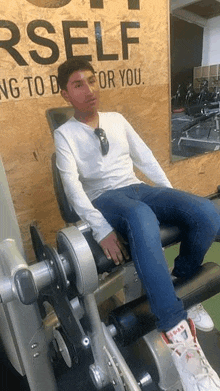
(100, 133)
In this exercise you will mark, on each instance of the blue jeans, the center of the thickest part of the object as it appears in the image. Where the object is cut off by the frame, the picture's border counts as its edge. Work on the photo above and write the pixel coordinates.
(136, 212)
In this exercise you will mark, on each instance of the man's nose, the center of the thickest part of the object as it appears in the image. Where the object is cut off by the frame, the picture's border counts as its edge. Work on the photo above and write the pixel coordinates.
(90, 88)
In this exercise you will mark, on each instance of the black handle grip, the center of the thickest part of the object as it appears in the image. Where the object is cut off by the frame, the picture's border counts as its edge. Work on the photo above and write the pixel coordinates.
(25, 285)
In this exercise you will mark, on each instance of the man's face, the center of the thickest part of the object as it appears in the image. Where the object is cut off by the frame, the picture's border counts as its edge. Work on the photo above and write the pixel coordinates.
(82, 91)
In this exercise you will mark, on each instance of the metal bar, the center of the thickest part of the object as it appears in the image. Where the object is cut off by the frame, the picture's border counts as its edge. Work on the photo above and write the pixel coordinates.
(97, 341)
(126, 372)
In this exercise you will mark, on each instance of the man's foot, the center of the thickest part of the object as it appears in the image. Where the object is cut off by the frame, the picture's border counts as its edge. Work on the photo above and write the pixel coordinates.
(201, 318)
(195, 372)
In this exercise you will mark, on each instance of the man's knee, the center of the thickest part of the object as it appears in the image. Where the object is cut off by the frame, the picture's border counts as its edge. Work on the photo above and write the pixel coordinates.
(209, 215)
(142, 214)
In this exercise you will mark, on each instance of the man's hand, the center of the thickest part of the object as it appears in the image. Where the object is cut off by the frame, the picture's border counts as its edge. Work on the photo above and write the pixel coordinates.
(113, 247)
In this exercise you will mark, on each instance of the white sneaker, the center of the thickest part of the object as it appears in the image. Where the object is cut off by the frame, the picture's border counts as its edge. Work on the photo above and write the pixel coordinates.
(195, 372)
(201, 318)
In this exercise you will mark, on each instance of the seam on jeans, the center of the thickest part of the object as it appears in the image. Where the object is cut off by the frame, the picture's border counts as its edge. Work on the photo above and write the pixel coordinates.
(195, 222)
(150, 298)
(134, 247)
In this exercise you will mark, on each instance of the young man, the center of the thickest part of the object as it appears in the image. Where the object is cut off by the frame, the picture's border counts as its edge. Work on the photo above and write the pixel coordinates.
(95, 155)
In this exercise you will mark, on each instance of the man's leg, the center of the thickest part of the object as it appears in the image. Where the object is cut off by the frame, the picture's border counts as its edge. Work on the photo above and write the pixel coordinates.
(136, 222)
(197, 218)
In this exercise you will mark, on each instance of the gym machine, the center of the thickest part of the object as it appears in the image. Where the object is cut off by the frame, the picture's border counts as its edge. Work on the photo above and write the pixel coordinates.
(202, 134)
(200, 114)
(50, 310)
(71, 322)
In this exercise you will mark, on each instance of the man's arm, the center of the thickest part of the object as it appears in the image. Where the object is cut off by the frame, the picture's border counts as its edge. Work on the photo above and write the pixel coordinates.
(144, 159)
(103, 233)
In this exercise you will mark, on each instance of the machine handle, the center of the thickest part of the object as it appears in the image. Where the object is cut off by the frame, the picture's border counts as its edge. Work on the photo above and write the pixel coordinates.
(26, 287)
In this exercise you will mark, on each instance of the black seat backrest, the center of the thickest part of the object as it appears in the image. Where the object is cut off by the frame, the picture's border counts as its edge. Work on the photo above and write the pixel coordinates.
(67, 212)
(57, 116)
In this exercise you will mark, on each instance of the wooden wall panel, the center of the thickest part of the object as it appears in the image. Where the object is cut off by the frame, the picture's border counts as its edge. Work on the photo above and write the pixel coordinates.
(28, 88)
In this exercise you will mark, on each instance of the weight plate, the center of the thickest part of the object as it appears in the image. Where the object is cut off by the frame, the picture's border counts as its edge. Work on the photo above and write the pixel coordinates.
(74, 246)
(62, 347)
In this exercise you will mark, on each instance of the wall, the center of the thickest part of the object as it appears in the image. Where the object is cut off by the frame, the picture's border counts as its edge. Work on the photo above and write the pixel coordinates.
(128, 42)
(211, 53)
(186, 51)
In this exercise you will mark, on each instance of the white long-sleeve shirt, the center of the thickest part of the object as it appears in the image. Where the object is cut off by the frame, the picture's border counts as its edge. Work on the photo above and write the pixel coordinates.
(86, 173)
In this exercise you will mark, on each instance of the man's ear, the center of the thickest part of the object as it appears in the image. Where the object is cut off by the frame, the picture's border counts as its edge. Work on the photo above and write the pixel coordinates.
(65, 95)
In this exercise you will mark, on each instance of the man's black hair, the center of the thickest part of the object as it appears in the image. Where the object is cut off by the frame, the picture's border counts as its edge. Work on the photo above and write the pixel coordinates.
(71, 65)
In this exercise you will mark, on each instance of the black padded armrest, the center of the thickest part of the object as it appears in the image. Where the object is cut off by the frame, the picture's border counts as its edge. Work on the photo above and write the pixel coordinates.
(103, 264)
(169, 235)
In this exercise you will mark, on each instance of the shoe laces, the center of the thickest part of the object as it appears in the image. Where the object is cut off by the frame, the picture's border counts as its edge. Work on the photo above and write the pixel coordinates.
(198, 308)
(188, 352)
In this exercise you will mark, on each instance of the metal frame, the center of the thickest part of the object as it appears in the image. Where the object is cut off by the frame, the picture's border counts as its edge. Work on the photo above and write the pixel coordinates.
(34, 336)
(33, 345)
